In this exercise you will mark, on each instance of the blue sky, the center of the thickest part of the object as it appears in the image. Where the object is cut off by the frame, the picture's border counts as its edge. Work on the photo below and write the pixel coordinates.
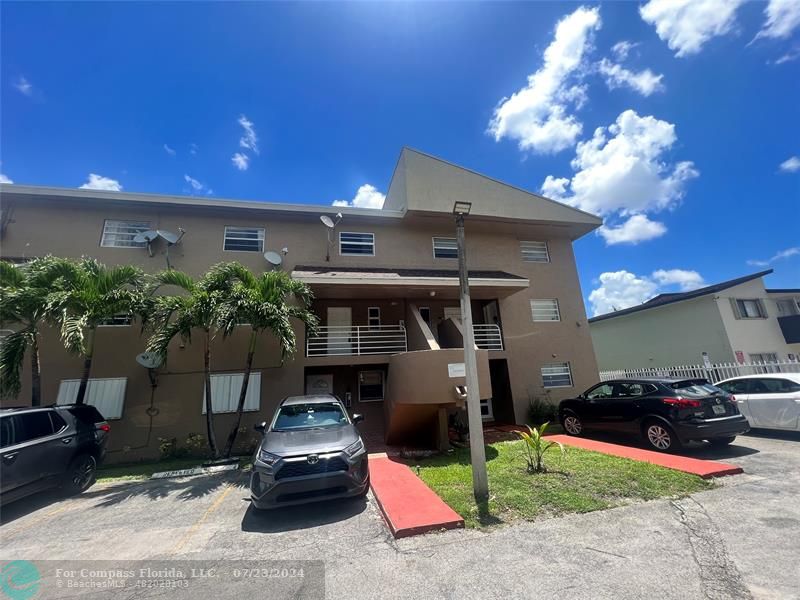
(693, 168)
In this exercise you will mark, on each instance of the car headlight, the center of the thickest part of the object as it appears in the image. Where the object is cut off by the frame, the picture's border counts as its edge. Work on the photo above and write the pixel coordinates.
(354, 448)
(267, 457)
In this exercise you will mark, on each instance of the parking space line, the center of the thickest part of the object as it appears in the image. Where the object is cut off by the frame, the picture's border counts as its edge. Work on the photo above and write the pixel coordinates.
(228, 488)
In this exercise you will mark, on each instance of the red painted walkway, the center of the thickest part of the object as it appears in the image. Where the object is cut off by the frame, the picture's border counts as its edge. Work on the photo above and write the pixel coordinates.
(409, 506)
(704, 468)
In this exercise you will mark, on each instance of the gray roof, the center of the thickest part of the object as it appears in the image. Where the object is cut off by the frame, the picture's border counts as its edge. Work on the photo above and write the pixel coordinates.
(415, 273)
(670, 298)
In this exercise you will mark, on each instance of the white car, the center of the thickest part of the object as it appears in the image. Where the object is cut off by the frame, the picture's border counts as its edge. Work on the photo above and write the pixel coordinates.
(769, 401)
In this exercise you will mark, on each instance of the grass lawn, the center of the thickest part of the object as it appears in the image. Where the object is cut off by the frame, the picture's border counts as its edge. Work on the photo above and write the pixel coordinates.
(578, 481)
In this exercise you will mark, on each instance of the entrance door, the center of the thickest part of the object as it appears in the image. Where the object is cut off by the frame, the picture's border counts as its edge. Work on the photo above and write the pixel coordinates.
(491, 315)
(340, 323)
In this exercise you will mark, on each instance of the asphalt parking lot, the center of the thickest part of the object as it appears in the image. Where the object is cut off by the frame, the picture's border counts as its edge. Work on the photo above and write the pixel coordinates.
(737, 541)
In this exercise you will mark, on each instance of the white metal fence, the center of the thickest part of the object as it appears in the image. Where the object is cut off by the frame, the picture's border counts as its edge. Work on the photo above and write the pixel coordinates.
(488, 337)
(354, 341)
(714, 373)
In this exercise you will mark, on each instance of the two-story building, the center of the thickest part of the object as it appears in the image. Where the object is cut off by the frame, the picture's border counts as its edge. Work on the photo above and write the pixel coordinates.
(386, 290)
(738, 321)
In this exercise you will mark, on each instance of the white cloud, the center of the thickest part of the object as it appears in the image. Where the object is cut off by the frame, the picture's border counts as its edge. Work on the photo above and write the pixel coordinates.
(537, 116)
(367, 196)
(24, 86)
(98, 182)
(783, 17)
(241, 160)
(789, 56)
(197, 186)
(622, 49)
(249, 140)
(622, 289)
(791, 164)
(645, 82)
(4, 179)
(621, 171)
(169, 150)
(638, 228)
(192, 149)
(788, 253)
(686, 25)
(685, 280)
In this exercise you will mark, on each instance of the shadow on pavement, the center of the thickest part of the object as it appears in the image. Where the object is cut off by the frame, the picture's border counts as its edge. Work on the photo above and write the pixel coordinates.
(25, 506)
(774, 434)
(184, 488)
(304, 516)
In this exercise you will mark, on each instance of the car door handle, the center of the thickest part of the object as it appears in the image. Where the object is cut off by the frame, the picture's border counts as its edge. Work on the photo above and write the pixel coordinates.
(10, 456)
(66, 440)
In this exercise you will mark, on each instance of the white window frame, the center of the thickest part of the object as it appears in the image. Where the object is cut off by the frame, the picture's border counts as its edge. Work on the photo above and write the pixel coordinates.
(568, 372)
(762, 309)
(120, 320)
(447, 239)
(370, 317)
(260, 231)
(106, 394)
(357, 243)
(531, 247)
(383, 385)
(554, 309)
(763, 357)
(107, 237)
(231, 384)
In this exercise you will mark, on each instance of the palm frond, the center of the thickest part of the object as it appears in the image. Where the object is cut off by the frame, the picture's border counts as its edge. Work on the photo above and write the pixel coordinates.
(12, 354)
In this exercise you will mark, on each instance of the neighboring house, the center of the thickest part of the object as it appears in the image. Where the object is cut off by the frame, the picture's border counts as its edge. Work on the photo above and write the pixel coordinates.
(390, 343)
(733, 321)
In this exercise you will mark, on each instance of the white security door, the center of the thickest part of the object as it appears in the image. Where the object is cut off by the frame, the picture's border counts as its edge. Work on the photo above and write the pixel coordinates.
(339, 328)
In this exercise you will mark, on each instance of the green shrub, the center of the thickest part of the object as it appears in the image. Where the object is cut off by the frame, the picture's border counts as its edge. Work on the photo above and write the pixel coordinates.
(541, 411)
(536, 446)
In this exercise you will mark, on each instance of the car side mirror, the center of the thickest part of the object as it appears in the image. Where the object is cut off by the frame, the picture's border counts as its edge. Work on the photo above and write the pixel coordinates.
(357, 418)
(261, 427)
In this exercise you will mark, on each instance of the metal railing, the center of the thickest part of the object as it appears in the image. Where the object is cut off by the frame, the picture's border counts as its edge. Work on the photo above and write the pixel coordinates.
(714, 373)
(488, 337)
(334, 340)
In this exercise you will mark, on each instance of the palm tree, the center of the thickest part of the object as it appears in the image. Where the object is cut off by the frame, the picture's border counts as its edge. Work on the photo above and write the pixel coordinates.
(198, 306)
(266, 302)
(90, 294)
(24, 294)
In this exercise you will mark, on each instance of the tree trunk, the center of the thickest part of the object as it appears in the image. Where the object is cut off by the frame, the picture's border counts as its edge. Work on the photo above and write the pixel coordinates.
(242, 395)
(87, 367)
(36, 377)
(212, 439)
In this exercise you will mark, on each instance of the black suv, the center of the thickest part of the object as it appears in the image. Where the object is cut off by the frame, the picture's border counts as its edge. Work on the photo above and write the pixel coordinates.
(49, 447)
(666, 412)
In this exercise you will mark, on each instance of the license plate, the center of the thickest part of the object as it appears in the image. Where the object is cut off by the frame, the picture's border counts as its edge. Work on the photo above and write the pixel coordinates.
(718, 409)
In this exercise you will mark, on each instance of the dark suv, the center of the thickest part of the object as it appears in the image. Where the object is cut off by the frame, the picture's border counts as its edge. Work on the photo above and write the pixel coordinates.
(311, 451)
(666, 412)
(48, 447)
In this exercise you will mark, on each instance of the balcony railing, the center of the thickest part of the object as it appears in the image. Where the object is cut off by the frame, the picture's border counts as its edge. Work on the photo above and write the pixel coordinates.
(335, 340)
(488, 337)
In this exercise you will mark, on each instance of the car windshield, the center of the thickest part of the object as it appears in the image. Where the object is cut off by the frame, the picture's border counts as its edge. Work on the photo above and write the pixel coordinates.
(696, 389)
(309, 416)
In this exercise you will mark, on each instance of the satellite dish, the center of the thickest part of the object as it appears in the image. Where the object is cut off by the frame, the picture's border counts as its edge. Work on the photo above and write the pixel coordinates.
(150, 360)
(327, 221)
(167, 235)
(273, 258)
(145, 236)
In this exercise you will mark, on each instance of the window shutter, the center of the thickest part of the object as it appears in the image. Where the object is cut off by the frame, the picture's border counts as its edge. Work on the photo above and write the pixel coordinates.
(735, 309)
(763, 307)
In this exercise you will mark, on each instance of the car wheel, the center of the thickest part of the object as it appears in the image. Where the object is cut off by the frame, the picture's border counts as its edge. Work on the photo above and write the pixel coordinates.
(572, 424)
(660, 436)
(722, 441)
(81, 474)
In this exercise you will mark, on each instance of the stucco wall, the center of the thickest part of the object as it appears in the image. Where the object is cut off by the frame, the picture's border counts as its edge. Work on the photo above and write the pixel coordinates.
(675, 334)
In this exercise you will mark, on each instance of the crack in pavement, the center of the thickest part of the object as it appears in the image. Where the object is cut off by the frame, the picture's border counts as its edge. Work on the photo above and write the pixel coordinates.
(720, 578)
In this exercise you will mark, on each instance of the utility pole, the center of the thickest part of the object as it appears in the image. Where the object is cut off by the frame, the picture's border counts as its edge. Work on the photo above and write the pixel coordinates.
(480, 480)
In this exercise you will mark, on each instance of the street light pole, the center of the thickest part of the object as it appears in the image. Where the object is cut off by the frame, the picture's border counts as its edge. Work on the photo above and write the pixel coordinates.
(480, 481)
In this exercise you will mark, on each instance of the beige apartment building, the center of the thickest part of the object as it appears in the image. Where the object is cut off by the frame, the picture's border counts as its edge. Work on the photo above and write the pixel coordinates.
(386, 290)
